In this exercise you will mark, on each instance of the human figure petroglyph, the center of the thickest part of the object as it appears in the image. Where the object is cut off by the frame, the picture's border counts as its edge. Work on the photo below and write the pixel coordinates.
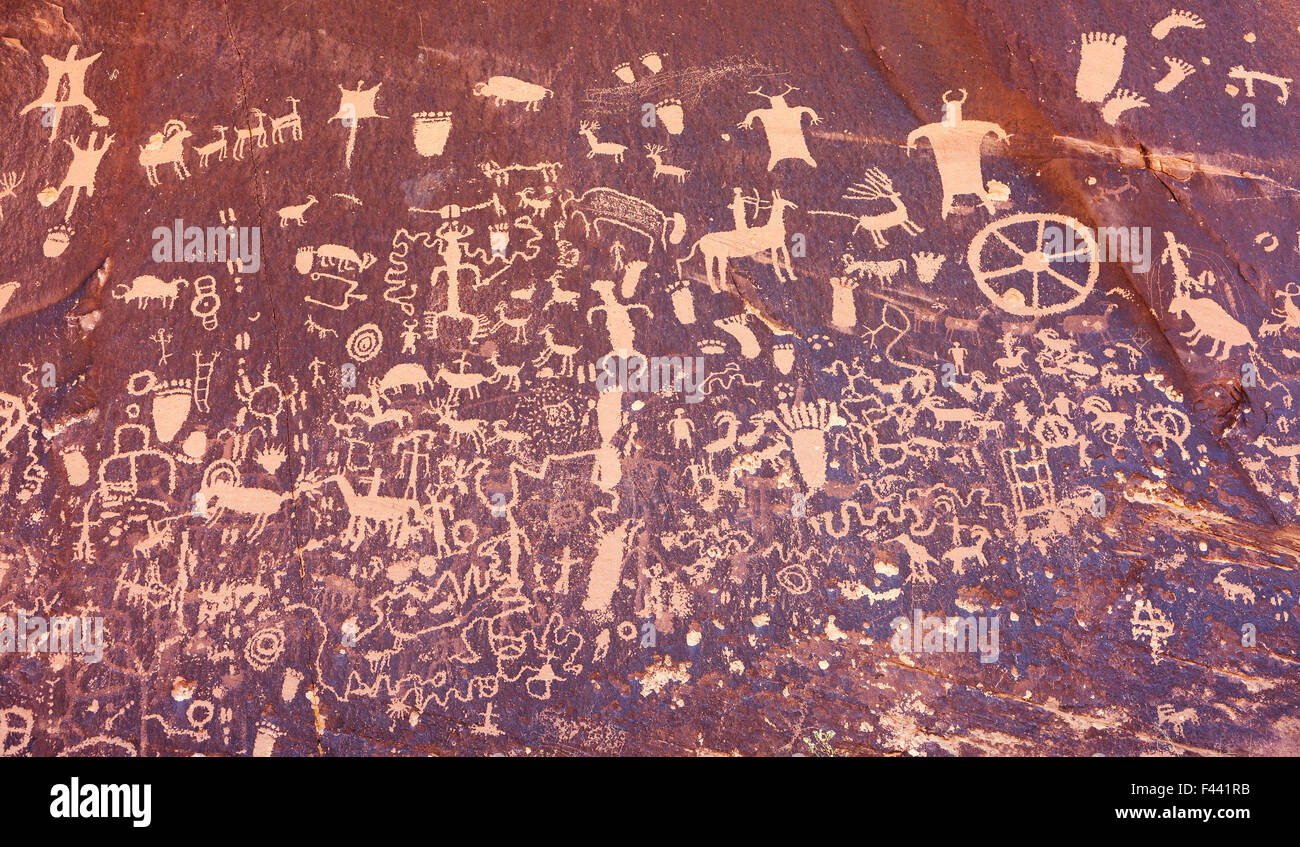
(1251, 77)
(956, 143)
(717, 248)
(65, 88)
(618, 317)
(958, 354)
(452, 252)
(783, 125)
(681, 429)
(81, 173)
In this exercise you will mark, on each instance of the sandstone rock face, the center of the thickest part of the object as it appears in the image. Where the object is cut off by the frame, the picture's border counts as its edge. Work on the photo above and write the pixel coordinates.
(628, 378)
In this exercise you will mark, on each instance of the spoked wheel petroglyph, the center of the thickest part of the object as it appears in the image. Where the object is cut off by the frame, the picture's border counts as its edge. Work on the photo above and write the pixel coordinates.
(1041, 280)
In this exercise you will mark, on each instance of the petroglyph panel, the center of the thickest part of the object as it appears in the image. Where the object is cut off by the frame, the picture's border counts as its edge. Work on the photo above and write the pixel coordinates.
(799, 377)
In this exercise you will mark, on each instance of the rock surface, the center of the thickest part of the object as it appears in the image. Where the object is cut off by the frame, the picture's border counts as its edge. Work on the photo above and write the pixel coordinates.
(963, 310)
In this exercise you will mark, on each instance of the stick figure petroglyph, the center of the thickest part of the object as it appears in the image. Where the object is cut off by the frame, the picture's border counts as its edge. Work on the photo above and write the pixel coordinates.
(1251, 77)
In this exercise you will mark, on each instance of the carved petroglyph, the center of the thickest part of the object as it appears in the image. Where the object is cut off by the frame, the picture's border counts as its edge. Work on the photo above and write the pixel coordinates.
(530, 460)
(507, 89)
(65, 88)
(783, 125)
(956, 143)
